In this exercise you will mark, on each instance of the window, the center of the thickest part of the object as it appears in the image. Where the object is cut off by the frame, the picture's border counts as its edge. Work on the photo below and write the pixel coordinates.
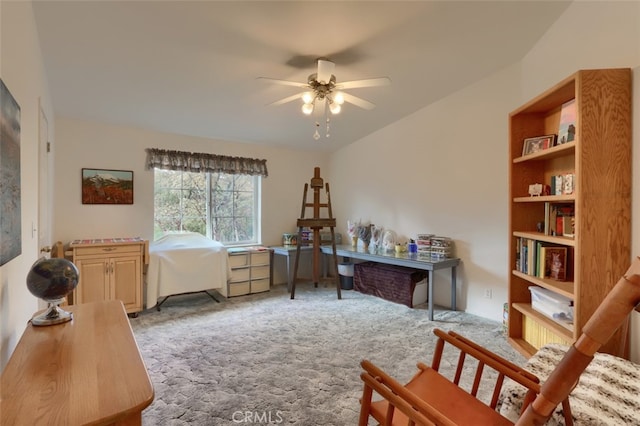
(222, 206)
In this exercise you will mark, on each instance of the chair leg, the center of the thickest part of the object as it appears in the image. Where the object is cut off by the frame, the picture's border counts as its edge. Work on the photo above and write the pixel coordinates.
(365, 406)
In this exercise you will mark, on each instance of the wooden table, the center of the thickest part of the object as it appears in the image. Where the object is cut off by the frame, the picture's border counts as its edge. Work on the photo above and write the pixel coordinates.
(410, 260)
(85, 371)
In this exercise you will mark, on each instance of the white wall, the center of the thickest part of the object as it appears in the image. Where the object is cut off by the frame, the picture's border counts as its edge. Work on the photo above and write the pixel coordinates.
(444, 169)
(84, 144)
(22, 72)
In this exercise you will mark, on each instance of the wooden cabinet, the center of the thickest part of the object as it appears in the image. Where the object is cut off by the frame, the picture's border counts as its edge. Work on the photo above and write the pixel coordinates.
(599, 161)
(110, 270)
(250, 271)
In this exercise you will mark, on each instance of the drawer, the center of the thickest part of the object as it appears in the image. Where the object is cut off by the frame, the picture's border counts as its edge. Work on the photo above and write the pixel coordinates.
(258, 286)
(241, 259)
(261, 258)
(108, 250)
(238, 289)
(240, 274)
(258, 272)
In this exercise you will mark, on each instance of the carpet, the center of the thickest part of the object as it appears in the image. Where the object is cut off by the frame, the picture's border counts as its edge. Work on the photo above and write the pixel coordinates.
(267, 359)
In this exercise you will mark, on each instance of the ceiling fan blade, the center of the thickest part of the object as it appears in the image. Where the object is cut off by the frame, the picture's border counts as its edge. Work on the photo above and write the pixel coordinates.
(325, 70)
(358, 101)
(284, 82)
(371, 82)
(285, 100)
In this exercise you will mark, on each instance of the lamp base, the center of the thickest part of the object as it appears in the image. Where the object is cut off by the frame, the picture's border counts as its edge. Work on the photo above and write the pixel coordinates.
(53, 315)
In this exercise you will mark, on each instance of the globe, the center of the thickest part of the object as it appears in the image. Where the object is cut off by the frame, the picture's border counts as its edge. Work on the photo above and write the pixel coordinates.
(51, 280)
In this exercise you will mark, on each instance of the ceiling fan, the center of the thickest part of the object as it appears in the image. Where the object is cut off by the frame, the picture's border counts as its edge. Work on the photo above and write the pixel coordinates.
(322, 90)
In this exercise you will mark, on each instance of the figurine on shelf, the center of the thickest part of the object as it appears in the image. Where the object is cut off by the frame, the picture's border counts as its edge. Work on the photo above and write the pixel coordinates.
(352, 230)
(388, 240)
(364, 233)
(376, 236)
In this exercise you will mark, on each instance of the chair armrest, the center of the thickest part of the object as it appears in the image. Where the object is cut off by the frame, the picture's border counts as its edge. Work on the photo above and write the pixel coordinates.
(493, 360)
(399, 397)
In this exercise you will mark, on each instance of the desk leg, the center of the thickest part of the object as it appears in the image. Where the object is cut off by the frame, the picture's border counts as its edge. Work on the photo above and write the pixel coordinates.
(430, 295)
(453, 288)
(289, 269)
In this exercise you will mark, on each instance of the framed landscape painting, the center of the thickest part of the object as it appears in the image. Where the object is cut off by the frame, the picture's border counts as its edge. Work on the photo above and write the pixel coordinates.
(101, 186)
(10, 192)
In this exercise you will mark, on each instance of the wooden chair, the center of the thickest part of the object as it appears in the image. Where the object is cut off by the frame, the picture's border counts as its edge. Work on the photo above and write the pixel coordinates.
(431, 399)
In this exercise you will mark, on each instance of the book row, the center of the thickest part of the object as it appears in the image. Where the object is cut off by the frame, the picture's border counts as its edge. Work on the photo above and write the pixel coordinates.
(559, 219)
(540, 259)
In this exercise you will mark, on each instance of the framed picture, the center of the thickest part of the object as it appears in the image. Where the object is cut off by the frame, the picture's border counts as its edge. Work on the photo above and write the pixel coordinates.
(532, 145)
(567, 130)
(10, 188)
(100, 186)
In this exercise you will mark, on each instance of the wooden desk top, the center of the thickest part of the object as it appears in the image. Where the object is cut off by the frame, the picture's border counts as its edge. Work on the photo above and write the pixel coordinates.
(88, 370)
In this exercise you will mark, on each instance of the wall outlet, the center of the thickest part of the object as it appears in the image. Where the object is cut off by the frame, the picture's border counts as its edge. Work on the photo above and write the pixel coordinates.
(487, 293)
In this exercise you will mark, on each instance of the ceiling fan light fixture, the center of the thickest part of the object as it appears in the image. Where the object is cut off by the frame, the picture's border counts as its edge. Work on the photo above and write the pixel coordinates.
(308, 97)
(307, 108)
(323, 88)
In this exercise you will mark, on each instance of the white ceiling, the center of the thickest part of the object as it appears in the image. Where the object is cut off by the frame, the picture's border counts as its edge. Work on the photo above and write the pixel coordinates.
(191, 67)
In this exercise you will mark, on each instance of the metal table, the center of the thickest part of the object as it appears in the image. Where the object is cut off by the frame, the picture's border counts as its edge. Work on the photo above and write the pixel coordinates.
(410, 260)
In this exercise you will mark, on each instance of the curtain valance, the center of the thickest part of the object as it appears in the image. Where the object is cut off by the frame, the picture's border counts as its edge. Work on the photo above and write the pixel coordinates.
(200, 162)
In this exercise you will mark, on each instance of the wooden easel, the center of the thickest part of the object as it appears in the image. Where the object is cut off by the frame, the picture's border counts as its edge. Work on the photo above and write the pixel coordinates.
(316, 223)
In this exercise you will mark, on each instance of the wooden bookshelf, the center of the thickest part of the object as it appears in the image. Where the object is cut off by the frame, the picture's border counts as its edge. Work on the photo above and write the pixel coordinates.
(599, 157)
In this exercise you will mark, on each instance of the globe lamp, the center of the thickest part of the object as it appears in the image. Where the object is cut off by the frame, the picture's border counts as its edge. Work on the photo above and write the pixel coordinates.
(51, 280)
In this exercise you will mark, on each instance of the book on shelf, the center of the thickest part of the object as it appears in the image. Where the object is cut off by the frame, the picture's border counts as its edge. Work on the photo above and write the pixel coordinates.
(568, 185)
(541, 259)
(554, 218)
(568, 226)
(567, 130)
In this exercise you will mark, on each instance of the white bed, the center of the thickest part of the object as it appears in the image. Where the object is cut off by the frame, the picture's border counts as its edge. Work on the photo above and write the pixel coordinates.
(185, 262)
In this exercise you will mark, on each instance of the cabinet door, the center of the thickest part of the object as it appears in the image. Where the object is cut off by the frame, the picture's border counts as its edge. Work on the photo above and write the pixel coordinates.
(94, 281)
(126, 283)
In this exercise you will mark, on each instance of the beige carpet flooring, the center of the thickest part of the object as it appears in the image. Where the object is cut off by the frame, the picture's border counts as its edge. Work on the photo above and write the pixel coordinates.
(266, 359)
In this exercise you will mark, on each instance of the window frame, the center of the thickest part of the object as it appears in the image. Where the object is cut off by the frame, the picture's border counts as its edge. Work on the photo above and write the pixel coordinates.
(209, 199)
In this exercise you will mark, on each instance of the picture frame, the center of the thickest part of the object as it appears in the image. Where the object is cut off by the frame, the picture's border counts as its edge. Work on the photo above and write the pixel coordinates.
(538, 143)
(105, 186)
(11, 187)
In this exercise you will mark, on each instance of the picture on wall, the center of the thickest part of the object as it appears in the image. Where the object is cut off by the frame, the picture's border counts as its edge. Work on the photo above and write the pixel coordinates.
(100, 186)
(10, 197)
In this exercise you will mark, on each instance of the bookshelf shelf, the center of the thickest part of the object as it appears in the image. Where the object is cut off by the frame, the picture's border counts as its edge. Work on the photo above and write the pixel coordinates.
(561, 329)
(565, 241)
(546, 198)
(564, 288)
(598, 160)
(554, 152)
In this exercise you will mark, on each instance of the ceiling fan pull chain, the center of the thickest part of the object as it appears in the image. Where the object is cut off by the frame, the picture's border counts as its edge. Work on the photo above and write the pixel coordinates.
(327, 135)
(316, 135)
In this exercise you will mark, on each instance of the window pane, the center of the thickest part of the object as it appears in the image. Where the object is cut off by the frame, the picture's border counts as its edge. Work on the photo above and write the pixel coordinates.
(168, 179)
(181, 200)
(243, 204)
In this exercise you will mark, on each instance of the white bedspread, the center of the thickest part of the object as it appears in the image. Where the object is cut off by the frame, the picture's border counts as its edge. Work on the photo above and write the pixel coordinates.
(183, 263)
